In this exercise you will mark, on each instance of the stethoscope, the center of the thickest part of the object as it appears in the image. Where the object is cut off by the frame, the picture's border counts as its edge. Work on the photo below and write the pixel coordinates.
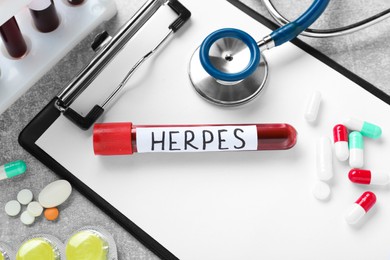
(229, 69)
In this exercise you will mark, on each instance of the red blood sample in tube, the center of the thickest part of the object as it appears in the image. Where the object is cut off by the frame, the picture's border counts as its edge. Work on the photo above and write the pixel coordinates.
(44, 15)
(13, 39)
(75, 2)
(126, 138)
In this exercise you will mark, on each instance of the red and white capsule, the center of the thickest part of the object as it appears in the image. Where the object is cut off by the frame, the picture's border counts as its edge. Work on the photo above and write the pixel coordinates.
(361, 176)
(340, 138)
(360, 207)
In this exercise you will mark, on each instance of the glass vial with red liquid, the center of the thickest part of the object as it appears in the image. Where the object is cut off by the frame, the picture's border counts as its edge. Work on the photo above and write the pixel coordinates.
(75, 2)
(13, 39)
(125, 138)
(44, 15)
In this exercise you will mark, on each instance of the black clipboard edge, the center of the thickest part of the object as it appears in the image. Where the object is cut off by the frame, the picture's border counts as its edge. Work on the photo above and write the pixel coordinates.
(42, 121)
(27, 139)
(315, 53)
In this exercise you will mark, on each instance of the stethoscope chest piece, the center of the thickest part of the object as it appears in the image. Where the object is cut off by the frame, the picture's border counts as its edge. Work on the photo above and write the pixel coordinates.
(228, 69)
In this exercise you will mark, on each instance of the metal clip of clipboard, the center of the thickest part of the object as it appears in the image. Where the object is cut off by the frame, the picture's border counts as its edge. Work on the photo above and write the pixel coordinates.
(107, 48)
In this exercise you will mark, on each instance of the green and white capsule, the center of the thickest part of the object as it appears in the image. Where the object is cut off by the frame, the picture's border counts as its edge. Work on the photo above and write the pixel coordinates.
(356, 150)
(12, 169)
(365, 128)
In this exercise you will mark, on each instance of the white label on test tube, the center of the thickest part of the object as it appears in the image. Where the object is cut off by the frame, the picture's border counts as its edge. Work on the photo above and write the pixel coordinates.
(197, 139)
(324, 159)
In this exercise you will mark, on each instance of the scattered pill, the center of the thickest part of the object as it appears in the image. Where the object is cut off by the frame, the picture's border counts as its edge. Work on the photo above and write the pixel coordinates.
(366, 177)
(321, 190)
(356, 150)
(313, 106)
(324, 159)
(12, 208)
(26, 218)
(365, 128)
(12, 169)
(87, 244)
(340, 138)
(35, 209)
(362, 205)
(25, 196)
(55, 194)
(37, 248)
(51, 214)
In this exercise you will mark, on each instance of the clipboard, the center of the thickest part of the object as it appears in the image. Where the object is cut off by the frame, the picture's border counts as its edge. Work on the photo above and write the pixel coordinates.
(287, 61)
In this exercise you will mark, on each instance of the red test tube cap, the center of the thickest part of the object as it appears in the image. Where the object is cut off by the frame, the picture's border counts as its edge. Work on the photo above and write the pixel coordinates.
(112, 139)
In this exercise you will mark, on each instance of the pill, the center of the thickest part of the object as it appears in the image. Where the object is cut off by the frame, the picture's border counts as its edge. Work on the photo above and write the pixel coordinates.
(324, 159)
(26, 218)
(362, 205)
(38, 248)
(321, 191)
(12, 169)
(55, 194)
(34, 208)
(12, 208)
(25, 196)
(340, 139)
(356, 150)
(366, 177)
(51, 214)
(313, 106)
(87, 244)
(365, 128)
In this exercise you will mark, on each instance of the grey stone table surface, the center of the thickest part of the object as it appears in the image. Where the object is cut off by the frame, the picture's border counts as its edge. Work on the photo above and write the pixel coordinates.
(365, 53)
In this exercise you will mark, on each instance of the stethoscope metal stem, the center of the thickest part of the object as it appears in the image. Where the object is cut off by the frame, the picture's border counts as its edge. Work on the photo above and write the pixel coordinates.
(317, 33)
(134, 68)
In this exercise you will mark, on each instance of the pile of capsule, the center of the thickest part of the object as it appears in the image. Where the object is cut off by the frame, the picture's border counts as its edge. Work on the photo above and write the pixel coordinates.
(349, 145)
(352, 146)
(45, 18)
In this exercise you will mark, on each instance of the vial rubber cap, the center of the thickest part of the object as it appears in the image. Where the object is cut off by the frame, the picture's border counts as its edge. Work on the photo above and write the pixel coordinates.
(112, 139)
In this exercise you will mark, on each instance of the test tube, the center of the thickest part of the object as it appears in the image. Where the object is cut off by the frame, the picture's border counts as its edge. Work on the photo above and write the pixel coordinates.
(44, 15)
(13, 39)
(75, 2)
(126, 138)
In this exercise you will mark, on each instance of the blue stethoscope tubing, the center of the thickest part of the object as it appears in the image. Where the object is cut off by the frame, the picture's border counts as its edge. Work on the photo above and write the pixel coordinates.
(276, 38)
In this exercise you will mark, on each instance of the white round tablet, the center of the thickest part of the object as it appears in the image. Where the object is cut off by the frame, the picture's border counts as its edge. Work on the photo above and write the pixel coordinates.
(12, 208)
(25, 196)
(55, 194)
(321, 191)
(26, 218)
(34, 208)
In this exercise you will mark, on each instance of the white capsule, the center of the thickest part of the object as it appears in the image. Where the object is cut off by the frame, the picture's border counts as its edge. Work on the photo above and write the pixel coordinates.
(356, 150)
(55, 193)
(313, 106)
(324, 159)
(361, 206)
(354, 214)
(341, 151)
(340, 138)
